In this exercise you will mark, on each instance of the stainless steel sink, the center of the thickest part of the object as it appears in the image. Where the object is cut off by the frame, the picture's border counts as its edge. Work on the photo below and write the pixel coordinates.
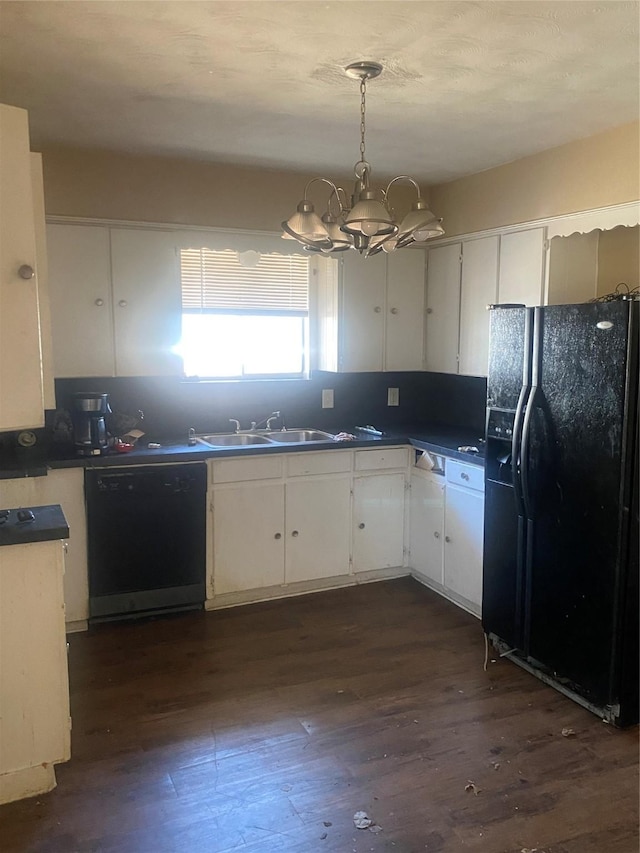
(300, 435)
(232, 440)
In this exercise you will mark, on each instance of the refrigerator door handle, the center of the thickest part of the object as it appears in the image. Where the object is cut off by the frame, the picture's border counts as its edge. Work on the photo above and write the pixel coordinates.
(516, 448)
(524, 454)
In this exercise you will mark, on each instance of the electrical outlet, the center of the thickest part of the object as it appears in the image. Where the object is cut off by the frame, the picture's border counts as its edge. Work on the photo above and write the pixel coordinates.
(393, 396)
(327, 398)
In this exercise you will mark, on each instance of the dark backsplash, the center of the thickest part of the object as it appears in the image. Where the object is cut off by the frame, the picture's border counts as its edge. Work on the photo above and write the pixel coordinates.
(172, 405)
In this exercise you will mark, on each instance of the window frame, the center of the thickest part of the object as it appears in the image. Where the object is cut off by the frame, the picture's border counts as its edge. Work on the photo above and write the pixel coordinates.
(304, 316)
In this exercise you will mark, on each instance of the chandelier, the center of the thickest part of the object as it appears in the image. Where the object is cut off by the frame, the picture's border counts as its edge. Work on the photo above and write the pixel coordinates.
(369, 224)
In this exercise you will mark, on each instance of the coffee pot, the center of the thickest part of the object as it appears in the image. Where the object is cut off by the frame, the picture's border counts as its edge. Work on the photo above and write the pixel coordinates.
(88, 411)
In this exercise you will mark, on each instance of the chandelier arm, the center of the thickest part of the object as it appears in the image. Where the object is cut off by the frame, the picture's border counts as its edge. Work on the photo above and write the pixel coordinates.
(323, 180)
(402, 178)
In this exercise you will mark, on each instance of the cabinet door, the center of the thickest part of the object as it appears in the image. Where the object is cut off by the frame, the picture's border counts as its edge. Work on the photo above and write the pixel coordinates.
(147, 302)
(404, 337)
(427, 526)
(522, 256)
(46, 346)
(80, 298)
(318, 526)
(479, 288)
(33, 662)
(21, 393)
(378, 521)
(464, 517)
(364, 282)
(443, 308)
(248, 537)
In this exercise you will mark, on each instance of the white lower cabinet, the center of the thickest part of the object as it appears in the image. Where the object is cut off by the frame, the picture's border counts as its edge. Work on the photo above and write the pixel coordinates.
(284, 528)
(447, 529)
(427, 525)
(463, 526)
(301, 518)
(64, 486)
(378, 521)
(248, 538)
(34, 683)
(318, 528)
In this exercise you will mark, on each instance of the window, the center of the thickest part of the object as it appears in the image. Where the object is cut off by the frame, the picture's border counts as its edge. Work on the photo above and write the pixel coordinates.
(244, 314)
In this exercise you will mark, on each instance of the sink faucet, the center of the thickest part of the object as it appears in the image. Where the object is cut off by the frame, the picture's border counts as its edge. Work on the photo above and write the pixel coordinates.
(236, 424)
(272, 417)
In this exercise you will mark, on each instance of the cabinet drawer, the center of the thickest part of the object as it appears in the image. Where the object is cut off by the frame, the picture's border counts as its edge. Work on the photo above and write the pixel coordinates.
(239, 470)
(325, 462)
(390, 457)
(470, 476)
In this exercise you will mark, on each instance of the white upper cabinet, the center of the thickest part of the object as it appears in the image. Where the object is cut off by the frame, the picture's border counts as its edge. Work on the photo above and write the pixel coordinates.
(115, 301)
(466, 276)
(522, 267)
(361, 333)
(147, 304)
(21, 378)
(404, 349)
(443, 307)
(81, 305)
(371, 316)
(478, 289)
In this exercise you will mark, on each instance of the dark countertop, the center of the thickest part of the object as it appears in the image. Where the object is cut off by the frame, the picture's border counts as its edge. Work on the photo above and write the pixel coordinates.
(48, 523)
(439, 438)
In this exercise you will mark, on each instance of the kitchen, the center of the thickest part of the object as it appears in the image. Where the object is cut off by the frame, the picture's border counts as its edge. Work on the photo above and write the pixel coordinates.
(91, 189)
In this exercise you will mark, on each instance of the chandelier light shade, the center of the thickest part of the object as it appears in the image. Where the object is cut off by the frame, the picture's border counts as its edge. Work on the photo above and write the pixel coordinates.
(368, 224)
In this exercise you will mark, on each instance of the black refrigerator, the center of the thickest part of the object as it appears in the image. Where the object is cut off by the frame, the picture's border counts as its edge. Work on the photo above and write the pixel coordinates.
(561, 539)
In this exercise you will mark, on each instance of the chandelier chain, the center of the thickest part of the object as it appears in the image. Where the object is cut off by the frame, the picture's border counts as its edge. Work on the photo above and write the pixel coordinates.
(363, 106)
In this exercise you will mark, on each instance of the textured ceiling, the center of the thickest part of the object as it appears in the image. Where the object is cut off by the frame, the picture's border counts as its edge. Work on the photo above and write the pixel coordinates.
(467, 85)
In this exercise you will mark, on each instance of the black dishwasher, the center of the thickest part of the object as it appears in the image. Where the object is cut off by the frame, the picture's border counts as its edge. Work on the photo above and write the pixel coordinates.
(146, 530)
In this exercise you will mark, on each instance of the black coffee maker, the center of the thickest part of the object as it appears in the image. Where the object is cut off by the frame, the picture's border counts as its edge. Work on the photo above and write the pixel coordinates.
(88, 410)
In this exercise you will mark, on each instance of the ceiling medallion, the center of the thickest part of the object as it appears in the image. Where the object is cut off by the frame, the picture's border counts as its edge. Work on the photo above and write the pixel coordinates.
(368, 224)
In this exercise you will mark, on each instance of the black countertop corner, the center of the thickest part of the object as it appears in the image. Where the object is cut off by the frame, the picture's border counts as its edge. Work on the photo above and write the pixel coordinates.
(48, 523)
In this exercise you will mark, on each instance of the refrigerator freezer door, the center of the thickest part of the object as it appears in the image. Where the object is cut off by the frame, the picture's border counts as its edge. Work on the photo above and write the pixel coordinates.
(506, 357)
(576, 447)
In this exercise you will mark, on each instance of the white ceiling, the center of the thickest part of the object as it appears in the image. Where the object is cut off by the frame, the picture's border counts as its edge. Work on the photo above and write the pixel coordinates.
(467, 85)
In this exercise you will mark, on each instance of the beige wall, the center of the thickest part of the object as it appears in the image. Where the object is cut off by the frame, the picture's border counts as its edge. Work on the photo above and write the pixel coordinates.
(106, 185)
(583, 175)
(618, 259)
(590, 173)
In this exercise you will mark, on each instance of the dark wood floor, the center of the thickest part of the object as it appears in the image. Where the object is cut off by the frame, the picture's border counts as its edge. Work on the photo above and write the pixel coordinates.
(263, 729)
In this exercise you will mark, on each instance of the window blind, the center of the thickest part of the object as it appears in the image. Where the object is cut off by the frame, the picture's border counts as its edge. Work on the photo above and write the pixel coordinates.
(228, 280)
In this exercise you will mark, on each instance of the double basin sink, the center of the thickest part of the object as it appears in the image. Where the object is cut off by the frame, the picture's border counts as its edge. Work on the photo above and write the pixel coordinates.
(245, 439)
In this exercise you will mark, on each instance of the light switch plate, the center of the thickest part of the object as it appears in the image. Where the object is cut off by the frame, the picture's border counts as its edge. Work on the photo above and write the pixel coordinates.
(393, 396)
(327, 398)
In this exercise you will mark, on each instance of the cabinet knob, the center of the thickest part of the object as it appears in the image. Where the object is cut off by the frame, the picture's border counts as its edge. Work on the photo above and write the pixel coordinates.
(429, 310)
(377, 309)
(123, 303)
(464, 475)
(447, 539)
(99, 303)
(295, 533)
(278, 536)
(394, 310)
(361, 525)
(436, 534)
(26, 271)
